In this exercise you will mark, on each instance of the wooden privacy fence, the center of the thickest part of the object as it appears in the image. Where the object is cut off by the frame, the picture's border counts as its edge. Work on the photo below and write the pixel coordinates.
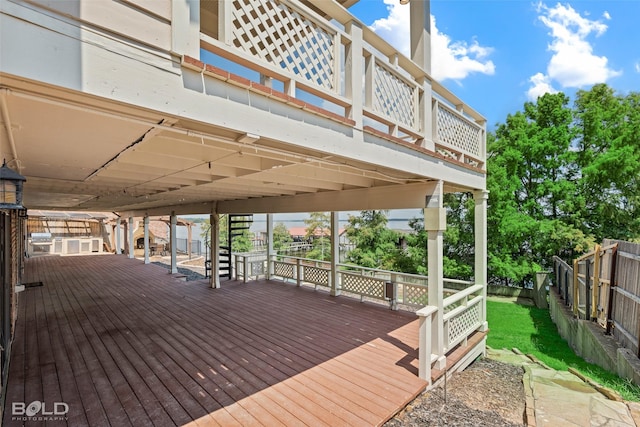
(604, 286)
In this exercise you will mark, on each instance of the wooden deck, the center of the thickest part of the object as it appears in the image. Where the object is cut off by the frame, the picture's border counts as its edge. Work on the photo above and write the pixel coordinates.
(126, 344)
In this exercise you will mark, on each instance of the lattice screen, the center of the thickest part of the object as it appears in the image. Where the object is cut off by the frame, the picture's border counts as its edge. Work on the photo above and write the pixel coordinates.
(415, 295)
(393, 97)
(363, 285)
(257, 268)
(283, 37)
(318, 276)
(283, 270)
(456, 132)
(464, 322)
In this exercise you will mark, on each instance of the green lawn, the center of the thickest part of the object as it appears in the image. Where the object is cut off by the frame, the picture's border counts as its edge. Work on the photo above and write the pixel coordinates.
(532, 331)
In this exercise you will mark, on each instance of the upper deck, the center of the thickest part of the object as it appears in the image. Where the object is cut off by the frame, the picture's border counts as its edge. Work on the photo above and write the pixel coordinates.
(233, 106)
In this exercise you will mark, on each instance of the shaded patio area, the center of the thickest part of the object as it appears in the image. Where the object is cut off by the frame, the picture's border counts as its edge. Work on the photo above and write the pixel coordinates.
(124, 343)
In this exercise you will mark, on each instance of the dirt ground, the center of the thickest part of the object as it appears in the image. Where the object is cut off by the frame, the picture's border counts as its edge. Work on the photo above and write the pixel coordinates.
(487, 393)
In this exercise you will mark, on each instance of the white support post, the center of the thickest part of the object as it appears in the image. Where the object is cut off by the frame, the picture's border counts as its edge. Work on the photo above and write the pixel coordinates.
(131, 246)
(269, 246)
(266, 80)
(214, 280)
(481, 198)
(424, 343)
(335, 253)
(189, 240)
(118, 237)
(369, 65)
(173, 221)
(225, 26)
(185, 27)
(146, 239)
(426, 114)
(290, 88)
(245, 269)
(435, 220)
(354, 72)
(420, 28)
(420, 31)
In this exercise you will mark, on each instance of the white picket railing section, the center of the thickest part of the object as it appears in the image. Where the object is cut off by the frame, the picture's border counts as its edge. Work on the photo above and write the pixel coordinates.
(461, 310)
(286, 41)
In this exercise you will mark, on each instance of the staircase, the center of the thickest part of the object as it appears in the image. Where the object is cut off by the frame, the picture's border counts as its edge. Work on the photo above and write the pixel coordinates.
(236, 226)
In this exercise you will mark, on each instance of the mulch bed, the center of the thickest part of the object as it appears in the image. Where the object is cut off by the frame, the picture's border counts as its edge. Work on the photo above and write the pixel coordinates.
(487, 393)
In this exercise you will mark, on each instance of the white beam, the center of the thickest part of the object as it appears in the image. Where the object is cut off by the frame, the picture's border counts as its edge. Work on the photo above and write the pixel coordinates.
(403, 196)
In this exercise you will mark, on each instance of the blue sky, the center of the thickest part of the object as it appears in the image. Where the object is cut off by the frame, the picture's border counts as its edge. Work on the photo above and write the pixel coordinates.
(498, 54)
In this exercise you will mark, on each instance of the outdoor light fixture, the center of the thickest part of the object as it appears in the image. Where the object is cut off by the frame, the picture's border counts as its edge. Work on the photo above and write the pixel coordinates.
(404, 1)
(10, 188)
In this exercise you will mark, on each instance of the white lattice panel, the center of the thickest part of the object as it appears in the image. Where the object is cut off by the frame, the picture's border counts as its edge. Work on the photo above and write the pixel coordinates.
(283, 270)
(393, 97)
(279, 35)
(415, 295)
(457, 132)
(464, 322)
(257, 268)
(318, 276)
(363, 285)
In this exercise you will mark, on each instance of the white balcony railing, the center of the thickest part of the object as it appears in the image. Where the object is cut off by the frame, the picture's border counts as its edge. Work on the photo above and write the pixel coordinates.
(462, 308)
(354, 73)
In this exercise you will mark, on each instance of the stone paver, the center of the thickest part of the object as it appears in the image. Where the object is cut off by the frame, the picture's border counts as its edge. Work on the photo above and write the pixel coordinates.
(560, 398)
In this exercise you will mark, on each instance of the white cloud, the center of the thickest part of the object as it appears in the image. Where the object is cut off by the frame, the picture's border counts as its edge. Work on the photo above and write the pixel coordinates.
(637, 67)
(395, 27)
(449, 59)
(573, 63)
(606, 15)
(540, 84)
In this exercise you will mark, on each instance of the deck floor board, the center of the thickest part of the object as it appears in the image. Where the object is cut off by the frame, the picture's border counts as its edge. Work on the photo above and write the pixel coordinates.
(124, 343)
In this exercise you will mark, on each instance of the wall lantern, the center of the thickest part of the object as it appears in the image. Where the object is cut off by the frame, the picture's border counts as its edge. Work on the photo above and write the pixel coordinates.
(10, 188)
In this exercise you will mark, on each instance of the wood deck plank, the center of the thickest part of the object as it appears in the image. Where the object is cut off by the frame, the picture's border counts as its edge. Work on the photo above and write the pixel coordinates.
(132, 345)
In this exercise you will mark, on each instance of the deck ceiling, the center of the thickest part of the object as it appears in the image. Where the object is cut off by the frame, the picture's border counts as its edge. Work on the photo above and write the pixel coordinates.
(92, 154)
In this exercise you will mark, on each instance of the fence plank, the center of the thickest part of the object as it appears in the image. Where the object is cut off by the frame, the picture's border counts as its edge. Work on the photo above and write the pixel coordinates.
(625, 306)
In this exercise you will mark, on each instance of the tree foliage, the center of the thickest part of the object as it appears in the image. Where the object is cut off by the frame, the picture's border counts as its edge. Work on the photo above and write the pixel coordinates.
(241, 243)
(281, 236)
(376, 246)
(562, 178)
(318, 231)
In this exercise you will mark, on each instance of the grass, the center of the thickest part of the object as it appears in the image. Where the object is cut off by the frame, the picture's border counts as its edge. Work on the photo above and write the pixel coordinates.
(532, 331)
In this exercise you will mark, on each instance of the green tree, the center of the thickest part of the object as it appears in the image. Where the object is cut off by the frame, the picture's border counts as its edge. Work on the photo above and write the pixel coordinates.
(531, 179)
(608, 151)
(318, 231)
(281, 236)
(376, 246)
(458, 251)
(241, 243)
